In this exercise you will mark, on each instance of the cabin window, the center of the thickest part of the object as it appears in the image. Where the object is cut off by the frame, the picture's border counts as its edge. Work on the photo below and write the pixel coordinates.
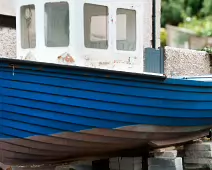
(28, 33)
(95, 26)
(125, 29)
(57, 24)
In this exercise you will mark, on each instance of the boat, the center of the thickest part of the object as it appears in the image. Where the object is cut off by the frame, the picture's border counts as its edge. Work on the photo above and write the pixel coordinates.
(56, 107)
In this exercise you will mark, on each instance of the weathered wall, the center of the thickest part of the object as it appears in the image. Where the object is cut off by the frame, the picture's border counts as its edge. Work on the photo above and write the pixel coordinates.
(178, 62)
(8, 37)
(7, 28)
(147, 27)
(7, 42)
(147, 36)
(7, 7)
(158, 22)
(185, 62)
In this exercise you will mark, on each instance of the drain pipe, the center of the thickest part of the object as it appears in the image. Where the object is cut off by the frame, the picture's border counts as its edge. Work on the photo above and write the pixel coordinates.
(154, 23)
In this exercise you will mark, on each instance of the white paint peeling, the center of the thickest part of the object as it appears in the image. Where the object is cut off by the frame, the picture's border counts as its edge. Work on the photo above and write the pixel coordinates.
(7, 7)
(130, 61)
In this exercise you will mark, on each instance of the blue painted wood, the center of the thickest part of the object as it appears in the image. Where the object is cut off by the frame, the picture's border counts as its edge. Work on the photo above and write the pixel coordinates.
(43, 100)
(70, 99)
(154, 60)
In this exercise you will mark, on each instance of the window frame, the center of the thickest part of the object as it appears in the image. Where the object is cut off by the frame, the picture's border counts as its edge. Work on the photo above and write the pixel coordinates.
(46, 19)
(136, 29)
(21, 27)
(108, 26)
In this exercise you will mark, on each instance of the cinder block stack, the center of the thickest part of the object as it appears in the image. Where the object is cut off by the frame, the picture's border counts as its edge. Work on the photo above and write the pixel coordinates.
(198, 156)
(166, 160)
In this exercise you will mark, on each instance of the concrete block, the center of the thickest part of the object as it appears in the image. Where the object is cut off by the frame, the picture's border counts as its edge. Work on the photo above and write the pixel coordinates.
(199, 147)
(186, 62)
(7, 42)
(166, 154)
(196, 166)
(198, 154)
(198, 169)
(155, 167)
(204, 161)
(176, 162)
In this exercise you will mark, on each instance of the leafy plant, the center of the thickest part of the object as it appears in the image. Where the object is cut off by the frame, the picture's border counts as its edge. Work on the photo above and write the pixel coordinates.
(207, 8)
(163, 37)
(202, 27)
(171, 12)
(192, 7)
(175, 12)
(207, 49)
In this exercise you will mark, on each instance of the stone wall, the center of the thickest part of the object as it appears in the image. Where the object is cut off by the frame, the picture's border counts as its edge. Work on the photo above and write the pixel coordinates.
(7, 42)
(185, 62)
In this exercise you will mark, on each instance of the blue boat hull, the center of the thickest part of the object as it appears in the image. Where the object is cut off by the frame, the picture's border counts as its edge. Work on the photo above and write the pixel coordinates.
(52, 113)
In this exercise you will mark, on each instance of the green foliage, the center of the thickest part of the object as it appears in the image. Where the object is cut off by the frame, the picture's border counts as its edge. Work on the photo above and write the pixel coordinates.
(163, 37)
(207, 49)
(176, 11)
(171, 12)
(207, 8)
(203, 27)
(192, 7)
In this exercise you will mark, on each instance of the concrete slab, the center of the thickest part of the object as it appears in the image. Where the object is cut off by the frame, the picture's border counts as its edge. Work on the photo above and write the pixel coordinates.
(204, 161)
(198, 169)
(196, 166)
(155, 167)
(166, 154)
(198, 154)
(206, 146)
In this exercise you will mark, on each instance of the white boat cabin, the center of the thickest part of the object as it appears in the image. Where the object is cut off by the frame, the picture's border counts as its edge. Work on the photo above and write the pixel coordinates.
(104, 34)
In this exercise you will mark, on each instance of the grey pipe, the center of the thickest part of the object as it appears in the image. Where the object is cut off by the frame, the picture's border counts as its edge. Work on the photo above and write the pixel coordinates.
(153, 23)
